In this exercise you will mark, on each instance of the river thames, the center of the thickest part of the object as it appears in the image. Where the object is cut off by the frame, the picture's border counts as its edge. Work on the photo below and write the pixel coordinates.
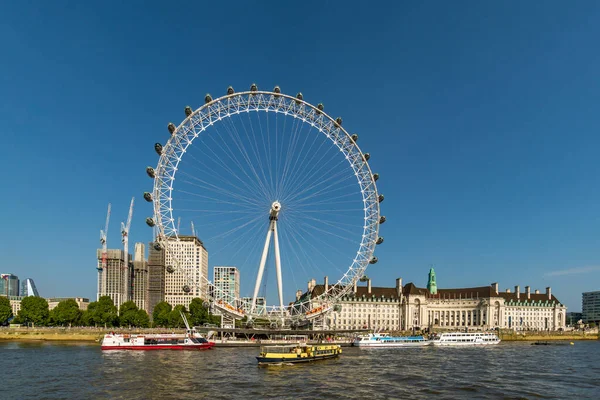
(509, 370)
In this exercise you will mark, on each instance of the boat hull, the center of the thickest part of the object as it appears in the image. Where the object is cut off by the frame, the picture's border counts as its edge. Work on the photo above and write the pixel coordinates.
(298, 360)
(389, 345)
(203, 346)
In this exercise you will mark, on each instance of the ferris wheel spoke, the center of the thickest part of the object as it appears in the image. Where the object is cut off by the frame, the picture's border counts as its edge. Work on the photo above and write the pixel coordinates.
(244, 154)
(210, 198)
(223, 192)
(211, 172)
(226, 167)
(333, 224)
(239, 143)
(321, 170)
(302, 234)
(294, 137)
(329, 188)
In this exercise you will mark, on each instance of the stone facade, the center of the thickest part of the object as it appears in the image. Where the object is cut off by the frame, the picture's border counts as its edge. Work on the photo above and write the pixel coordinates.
(407, 307)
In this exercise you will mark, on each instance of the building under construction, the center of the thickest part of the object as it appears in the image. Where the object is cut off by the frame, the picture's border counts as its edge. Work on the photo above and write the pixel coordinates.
(114, 277)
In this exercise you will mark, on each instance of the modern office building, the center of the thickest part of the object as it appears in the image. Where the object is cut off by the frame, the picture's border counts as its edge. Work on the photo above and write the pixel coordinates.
(226, 281)
(406, 307)
(573, 318)
(590, 307)
(156, 277)
(114, 280)
(190, 259)
(140, 278)
(28, 288)
(9, 285)
(260, 305)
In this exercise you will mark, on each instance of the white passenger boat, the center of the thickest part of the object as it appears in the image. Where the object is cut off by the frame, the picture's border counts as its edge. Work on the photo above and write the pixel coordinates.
(465, 339)
(385, 340)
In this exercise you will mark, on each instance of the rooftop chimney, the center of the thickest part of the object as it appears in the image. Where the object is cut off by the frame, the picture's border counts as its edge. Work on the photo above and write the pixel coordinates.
(326, 283)
(495, 287)
(399, 287)
(355, 286)
(298, 294)
(517, 291)
(528, 291)
(549, 292)
(369, 286)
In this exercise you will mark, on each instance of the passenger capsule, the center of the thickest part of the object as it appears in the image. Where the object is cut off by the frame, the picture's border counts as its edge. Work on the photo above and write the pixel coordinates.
(380, 198)
(367, 156)
(207, 98)
(338, 121)
(373, 260)
(186, 288)
(230, 90)
(382, 219)
(354, 138)
(277, 90)
(157, 246)
(364, 278)
(171, 128)
(188, 111)
(379, 240)
(375, 177)
(337, 308)
(170, 269)
(320, 107)
(148, 196)
(150, 222)
(299, 97)
(253, 88)
(150, 172)
(158, 148)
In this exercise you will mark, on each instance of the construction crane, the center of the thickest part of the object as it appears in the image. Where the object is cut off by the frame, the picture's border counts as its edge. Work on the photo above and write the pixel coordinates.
(125, 233)
(103, 234)
(193, 230)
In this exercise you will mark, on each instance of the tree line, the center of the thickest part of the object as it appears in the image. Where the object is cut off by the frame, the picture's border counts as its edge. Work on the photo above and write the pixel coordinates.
(103, 313)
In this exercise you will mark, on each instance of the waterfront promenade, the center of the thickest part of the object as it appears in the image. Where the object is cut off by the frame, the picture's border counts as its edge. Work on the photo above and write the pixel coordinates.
(87, 334)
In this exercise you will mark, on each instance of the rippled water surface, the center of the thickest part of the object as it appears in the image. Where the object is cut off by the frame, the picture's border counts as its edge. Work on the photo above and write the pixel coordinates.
(509, 370)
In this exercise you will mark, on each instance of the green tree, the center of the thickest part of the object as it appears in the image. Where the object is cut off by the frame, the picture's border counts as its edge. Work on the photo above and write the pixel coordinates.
(175, 320)
(86, 318)
(104, 312)
(67, 312)
(128, 314)
(160, 315)
(198, 312)
(142, 319)
(5, 309)
(35, 310)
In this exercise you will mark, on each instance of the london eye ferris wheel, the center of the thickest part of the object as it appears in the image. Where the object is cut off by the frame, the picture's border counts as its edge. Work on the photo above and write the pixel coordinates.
(272, 184)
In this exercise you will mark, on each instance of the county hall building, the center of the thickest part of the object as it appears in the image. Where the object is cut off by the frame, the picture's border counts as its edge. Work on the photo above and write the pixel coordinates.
(407, 307)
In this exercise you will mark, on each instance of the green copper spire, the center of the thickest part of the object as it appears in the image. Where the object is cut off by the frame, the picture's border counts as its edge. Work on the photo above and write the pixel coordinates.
(431, 285)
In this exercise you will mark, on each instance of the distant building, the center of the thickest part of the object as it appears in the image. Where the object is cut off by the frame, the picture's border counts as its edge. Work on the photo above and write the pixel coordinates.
(156, 277)
(139, 252)
(15, 304)
(28, 288)
(573, 318)
(9, 285)
(114, 280)
(590, 307)
(190, 270)
(81, 302)
(406, 307)
(260, 305)
(226, 281)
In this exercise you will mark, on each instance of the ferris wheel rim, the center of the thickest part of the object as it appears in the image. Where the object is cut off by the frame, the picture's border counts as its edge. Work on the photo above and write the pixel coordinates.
(169, 161)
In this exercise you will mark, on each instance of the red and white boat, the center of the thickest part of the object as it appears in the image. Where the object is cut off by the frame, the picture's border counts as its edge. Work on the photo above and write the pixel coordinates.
(191, 340)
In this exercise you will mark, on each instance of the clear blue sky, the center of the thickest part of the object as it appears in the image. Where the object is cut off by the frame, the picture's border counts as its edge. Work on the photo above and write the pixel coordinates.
(483, 121)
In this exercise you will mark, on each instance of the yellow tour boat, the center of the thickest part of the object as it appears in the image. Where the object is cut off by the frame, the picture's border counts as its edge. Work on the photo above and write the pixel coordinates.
(298, 353)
